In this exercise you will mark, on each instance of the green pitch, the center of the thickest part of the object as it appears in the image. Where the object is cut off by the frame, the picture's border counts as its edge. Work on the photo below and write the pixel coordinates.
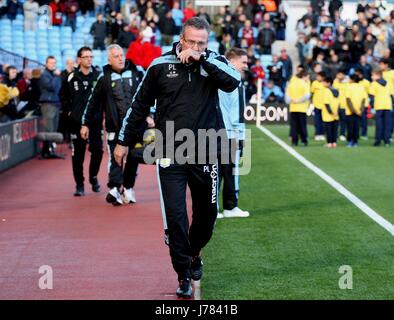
(301, 230)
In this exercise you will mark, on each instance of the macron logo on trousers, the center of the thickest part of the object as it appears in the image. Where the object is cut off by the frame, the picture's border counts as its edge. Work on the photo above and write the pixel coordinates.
(214, 175)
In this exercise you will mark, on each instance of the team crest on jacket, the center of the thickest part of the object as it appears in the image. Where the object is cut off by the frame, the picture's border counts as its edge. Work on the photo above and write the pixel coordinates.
(172, 73)
(165, 162)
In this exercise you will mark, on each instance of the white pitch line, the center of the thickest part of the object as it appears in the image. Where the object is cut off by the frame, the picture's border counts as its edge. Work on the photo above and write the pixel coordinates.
(336, 185)
(197, 290)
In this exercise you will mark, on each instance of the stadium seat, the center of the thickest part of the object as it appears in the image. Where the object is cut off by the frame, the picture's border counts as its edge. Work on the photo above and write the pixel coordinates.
(29, 46)
(97, 54)
(66, 31)
(17, 34)
(42, 45)
(19, 51)
(266, 58)
(29, 34)
(54, 32)
(42, 53)
(18, 46)
(17, 25)
(104, 60)
(213, 45)
(66, 46)
(165, 49)
(6, 46)
(80, 21)
(54, 42)
(5, 38)
(69, 54)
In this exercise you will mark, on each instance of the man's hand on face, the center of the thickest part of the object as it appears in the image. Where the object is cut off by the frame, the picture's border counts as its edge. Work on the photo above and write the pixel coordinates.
(189, 56)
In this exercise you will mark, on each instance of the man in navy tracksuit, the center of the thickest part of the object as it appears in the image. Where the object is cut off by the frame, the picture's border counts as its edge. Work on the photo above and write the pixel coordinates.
(184, 83)
(232, 105)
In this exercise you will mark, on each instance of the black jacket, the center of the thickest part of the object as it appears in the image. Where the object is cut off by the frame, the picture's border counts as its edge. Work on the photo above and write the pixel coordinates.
(112, 95)
(75, 92)
(186, 95)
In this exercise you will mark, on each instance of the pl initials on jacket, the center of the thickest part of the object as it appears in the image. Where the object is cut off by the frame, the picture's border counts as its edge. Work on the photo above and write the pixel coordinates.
(113, 94)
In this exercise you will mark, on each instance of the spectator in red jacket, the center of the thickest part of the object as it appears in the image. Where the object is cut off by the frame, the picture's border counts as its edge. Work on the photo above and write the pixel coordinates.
(188, 12)
(257, 71)
(143, 53)
(57, 12)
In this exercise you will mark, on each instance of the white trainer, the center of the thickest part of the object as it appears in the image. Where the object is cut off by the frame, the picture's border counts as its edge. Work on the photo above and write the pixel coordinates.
(128, 196)
(235, 213)
(114, 197)
(342, 138)
(220, 216)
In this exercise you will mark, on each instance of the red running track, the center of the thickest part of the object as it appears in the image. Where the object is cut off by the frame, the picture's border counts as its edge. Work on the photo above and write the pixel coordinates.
(96, 251)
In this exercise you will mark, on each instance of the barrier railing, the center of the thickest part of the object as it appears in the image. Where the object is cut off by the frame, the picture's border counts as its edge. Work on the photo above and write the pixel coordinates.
(20, 62)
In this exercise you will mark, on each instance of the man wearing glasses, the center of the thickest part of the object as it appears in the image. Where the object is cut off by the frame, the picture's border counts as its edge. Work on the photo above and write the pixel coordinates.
(75, 93)
(184, 83)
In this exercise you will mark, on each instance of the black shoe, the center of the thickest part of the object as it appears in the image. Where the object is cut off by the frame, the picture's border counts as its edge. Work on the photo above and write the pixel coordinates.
(95, 185)
(185, 289)
(79, 192)
(196, 268)
(376, 144)
(50, 156)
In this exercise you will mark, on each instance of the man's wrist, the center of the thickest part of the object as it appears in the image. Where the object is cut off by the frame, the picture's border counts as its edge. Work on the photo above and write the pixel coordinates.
(203, 56)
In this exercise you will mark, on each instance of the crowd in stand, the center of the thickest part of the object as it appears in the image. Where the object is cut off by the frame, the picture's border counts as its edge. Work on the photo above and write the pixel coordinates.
(346, 71)
(19, 92)
(327, 40)
(254, 26)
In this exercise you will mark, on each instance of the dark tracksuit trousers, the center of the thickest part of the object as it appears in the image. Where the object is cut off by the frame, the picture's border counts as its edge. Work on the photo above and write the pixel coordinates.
(78, 147)
(383, 120)
(364, 123)
(331, 131)
(228, 173)
(353, 128)
(298, 125)
(319, 126)
(185, 242)
(117, 175)
(342, 122)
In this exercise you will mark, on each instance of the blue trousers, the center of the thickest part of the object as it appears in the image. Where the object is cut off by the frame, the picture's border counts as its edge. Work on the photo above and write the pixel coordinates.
(319, 126)
(364, 123)
(383, 122)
